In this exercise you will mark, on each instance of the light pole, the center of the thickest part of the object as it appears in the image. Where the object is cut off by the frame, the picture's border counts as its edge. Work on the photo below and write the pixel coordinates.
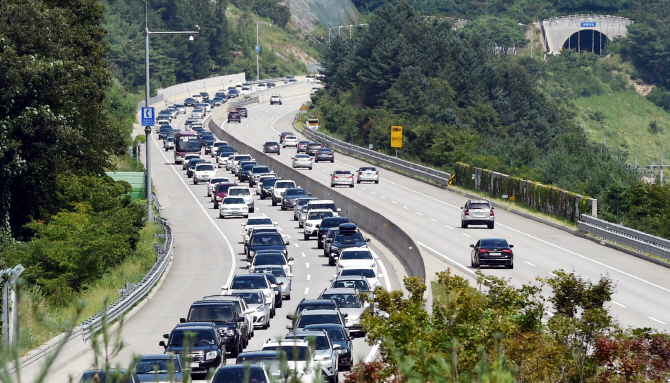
(147, 129)
(258, 48)
(339, 29)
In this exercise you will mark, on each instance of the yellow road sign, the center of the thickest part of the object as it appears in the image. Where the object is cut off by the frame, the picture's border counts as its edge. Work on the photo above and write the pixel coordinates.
(303, 107)
(396, 136)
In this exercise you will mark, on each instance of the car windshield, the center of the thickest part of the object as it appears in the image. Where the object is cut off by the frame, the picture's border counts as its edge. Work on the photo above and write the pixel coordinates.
(297, 353)
(333, 222)
(303, 156)
(247, 282)
(321, 205)
(356, 254)
(295, 193)
(170, 139)
(349, 238)
(243, 158)
(250, 298)
(367, 273)
(324, 150)
(271, 144)
(200, 337)
(157, 366)
(193, 162)
(342, 172)
(319, 215)
(207, 135)
(344, 300)
(248, 167)
(204, 167)
(239, 374)
(493, 243)
(336, 333)
(269, 182)
(222, 188)
(211, 313)
(317, 319)
(368, 168)
(284, 184)
(278, 272)
(233, 192)
(261, 169)
(189, 143)
(320, 342)
(360, 285)
(269, 259)
(267, 240)
(483, 206)
(259, 221)
(233, 201)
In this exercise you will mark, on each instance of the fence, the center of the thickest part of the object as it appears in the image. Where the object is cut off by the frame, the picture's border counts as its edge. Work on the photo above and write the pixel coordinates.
(625, 236)
(185, 89)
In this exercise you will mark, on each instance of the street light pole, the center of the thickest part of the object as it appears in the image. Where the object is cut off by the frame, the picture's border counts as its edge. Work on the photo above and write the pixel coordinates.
(147, 92)
(257, 53)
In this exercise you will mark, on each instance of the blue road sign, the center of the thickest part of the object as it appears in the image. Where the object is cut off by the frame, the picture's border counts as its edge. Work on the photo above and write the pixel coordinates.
(588, 24)
(258, 49)
(148, 117)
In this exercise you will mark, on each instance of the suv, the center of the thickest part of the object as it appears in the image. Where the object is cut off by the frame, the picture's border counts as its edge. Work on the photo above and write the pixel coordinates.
(241, 306)
(347, 236)
(313, 221)
(275, 99)
(325, 352)
(307, 317)
(203, 172)
(242, 111)
(208, 351)
(477, 212)
(338, 335)
(326, 224)
(228, 320)
(278, 190)
(234, 116)
(291, 197)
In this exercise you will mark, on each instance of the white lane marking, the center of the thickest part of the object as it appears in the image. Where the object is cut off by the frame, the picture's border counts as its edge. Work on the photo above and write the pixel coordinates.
(590, 259)
(383, 197)
(656, 320)
(447, 258)
(552, 274)
(466, 235)
(287, 236)
(529, 263)
(279, 228)
(308, 277)
(303, 254)
(618, 304)
(418, 213)
(307, 265)
(230, 247)
(363, 188)
(449, 227)
(306, 290)
(296, 245)
(405, 207)
(394, 202)
(372, 353)
(433, 219)
(381, 264)
(373, 192)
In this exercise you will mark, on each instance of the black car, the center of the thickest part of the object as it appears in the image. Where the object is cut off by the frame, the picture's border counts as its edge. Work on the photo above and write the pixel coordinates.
(271, 85)
(163, 131)
(312, 148)
(114, 376)
(338, 335)
(190, 102)
(239, 373)
(245, 172)
(205, 95)
(241, 165)
(233, 93)
(208, 351)
(221, 94)
(266, 241)
(326, 224)
(324, 154)
(228, 320)
(242, 111)
(191, 166)
(207, 140)
(348, 236)
(493, 252)
(291, 197)
(271, 147)
(266, 188)
(234, 117)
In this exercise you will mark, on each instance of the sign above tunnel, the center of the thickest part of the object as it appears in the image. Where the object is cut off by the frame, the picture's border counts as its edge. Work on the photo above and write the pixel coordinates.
(588, 24)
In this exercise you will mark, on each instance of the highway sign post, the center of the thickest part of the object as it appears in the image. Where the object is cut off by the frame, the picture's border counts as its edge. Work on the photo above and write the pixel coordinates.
(148, 117)
(396, 136)
(257, 48)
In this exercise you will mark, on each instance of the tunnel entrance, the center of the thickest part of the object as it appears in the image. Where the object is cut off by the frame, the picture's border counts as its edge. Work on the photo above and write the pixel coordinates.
(588, 40)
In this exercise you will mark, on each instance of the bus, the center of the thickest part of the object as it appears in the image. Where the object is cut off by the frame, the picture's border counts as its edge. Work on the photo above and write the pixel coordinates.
(187, 142)
(313, 122)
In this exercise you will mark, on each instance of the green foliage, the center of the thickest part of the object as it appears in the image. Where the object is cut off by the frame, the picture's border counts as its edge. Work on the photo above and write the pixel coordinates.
(503, 31)
(660, 98)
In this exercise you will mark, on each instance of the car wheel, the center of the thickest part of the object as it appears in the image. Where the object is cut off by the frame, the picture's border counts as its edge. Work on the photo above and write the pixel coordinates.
(331, 261)
(476, 263)
(220, 215)
(294, 218)
(216, 205)
(253, 209)
(262, 196)
(300, 225)
(377, 181)
(310, 168)
(511, 265)
(332, 185)
(306, 237)
(491, 225)
(332, 161)
(315, 160)
(236, 351)
(358, 181)
(352, 185)
(464, 225)
(273, 202)
(266, 325)
(319, 245)
(195, 182)
(279, 304)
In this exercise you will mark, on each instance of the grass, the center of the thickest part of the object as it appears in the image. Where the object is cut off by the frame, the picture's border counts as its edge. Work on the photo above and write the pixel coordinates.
(41, 320)
(126, 163)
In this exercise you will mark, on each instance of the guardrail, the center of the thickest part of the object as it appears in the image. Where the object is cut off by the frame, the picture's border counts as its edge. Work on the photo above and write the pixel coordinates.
(244, 102)
(434, 175)
(625, 236)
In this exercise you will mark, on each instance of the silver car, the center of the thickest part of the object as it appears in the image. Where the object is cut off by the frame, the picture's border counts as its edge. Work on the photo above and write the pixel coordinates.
(325, 352)
(283, 278)
(299, 205)
(348, 303)
(302, 161)
(341, 177)
(477, 212)
(367, 174)
(255, 299)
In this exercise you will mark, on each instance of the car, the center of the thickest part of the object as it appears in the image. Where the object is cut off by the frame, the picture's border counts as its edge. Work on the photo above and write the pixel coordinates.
(261, 179)
(324, 154)
(205, 95)
(100, 376)
(270, 360)
(163, 131)
(330, 234)
(324, 204)
(230, 165)
(288, 78)
(220, 192)
(181, 108)
(271, 85)
(222, 94)
(291, 195)
(278, 190)
(363, 279)
(271, 147)
(197, 127)
(261, 87)
(299, 204)
(218, 101)
(214, 149)
(361, 257)
(233, 207)
(492, 252)
(242, 111)
(190, 102)
(207, 140)
(203, 172)
(233, 93)
(312, 148)
(283, 278)
(256, 230)
(477, 212)
(253, 282)
(168, 143)
(248, 325)
(259, 305)
(313, 304)
(308, 317)
(159, 368)
(241, 373)
(325, 352)
(313, 220)
(206, 107)
(278, 294)
(227, 318)
(283, 135)
(314, 90)
(367, 174)
(302, 146)
(347, 236)
(298, 356)
(301, 161)
(291, 141)
(253, 222)
(198, 113)
(244, 193)
(223, 157)
(234, 116)
(187, 158)
(275, 99)
(325, 225)
(341, 177)
(245, 171)
(266, 241)
(190, 168)
(163, 119)
(349, 304)
(241, 164)
(264, 258)
(256, 173)
(266, 187)
(213, 182)
(190, 121)
(339, 336)
(245, 90)
(208, 350)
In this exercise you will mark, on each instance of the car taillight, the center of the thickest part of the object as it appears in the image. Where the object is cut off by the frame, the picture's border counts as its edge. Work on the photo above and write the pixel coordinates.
(467, 212)
(360, 173)
(491, 212)
(483, 251)
(507, 251)
(351, 176)
(377, 173)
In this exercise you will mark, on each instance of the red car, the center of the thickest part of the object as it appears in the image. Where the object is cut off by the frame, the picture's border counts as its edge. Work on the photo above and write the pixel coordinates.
(220, 192)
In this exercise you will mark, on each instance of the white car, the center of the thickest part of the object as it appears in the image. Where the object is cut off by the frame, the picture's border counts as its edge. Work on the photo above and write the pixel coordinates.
(360, 257)
(212, 183)
(236, 159)
(203, 173)
(275, 99)
(302, 161)
(299, 357)
(223, 161)
(242, 192)
(314, 90)
(261, 87)
(197, 113)
(256, 302)
(367, 174)
(215, 147)
(245, 90)
(313, 221)
(368, 273)
(233, 207)
(291, 141)
(279, 189)
(324, 204)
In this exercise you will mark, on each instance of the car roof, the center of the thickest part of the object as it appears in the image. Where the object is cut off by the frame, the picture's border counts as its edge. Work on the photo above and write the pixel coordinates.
(221, 298)
(211, 303)
(322, 201)
(196, 325)
(258, 353)
(159, 356)
(317, 301)
(320, 312)
(358, 248)
(343, 290)
(320, 211)
(350, 277)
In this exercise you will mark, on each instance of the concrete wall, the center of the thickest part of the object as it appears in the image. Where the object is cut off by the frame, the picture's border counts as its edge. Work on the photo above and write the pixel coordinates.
(558, 30)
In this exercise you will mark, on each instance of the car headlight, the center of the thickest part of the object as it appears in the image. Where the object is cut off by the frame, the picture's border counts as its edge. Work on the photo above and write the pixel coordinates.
(308, 225)
(229, 332)
(321, 359)
(211, 355)
(334, 248)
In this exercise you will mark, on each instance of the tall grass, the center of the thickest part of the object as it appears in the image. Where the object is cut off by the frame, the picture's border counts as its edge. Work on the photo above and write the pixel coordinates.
(41, 320)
